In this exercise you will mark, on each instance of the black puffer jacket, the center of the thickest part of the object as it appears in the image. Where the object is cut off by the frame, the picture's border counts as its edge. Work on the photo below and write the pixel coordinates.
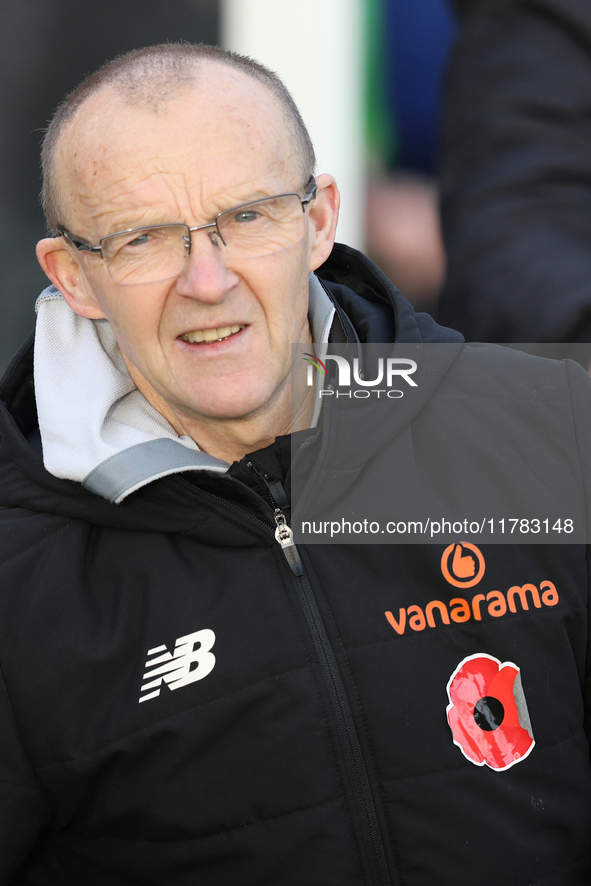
(313, 746)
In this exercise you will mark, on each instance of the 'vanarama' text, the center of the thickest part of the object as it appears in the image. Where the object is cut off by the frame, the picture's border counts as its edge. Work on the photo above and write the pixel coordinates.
(459, 610)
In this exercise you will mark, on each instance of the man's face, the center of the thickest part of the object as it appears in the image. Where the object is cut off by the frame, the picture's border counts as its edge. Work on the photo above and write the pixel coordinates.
(212, 147)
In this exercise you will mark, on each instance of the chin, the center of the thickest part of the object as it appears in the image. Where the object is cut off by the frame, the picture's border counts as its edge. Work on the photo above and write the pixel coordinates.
(227, 408)
(242, 401)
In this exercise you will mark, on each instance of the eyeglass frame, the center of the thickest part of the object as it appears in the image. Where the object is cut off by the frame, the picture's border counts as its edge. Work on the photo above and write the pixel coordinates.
(82, 245)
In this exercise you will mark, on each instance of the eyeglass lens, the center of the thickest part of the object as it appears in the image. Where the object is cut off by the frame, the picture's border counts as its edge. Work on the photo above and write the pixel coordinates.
(151, 254)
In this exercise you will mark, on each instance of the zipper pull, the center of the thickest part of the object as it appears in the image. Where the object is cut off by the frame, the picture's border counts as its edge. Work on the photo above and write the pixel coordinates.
(284, 536)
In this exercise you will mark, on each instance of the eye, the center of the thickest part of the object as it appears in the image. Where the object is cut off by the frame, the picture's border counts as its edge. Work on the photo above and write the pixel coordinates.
(246, 215)
(140, 240)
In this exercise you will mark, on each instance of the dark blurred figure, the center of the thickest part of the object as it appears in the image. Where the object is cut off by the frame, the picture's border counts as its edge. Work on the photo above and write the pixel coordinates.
(410, 42)
(45, 50)
(516, 172)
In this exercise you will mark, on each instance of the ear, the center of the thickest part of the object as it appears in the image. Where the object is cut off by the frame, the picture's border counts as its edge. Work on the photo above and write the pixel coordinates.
(324, 214)
(63, 269)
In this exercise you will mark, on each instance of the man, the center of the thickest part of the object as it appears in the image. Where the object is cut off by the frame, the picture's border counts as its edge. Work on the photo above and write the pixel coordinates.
(186, 697)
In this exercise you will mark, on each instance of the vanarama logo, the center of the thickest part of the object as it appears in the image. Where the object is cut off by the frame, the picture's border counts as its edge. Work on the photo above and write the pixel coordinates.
(389, 371)
(463, 565)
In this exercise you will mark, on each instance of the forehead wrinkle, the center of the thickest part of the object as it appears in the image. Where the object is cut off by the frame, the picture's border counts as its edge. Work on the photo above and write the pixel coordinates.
(138, 192)
(201, 175)
(119, 209)
(216, 196)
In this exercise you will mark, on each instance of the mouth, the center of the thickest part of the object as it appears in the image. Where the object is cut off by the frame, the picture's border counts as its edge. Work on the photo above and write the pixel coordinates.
(208, 336)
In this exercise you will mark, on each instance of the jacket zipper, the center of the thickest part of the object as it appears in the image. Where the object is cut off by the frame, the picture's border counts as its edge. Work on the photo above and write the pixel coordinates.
(346, 731)
(311, 481)
(353, 754)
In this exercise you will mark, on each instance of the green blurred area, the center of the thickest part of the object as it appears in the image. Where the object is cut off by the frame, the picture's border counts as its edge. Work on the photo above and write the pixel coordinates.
(380, 128)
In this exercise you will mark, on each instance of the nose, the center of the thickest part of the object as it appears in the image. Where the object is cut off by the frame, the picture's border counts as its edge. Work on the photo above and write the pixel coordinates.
(206, 276)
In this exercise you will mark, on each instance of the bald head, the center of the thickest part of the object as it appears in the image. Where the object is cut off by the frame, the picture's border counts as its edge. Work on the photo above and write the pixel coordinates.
(117, 164)
(149, 80)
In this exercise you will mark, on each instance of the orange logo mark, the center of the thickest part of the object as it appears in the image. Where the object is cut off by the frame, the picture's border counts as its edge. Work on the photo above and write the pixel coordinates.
(466, 567)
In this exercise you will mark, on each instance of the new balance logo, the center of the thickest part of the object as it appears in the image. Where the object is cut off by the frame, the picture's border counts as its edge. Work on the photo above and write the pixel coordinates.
(191, 660)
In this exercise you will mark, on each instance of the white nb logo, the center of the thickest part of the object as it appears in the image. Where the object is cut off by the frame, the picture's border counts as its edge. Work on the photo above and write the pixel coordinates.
(191, 660)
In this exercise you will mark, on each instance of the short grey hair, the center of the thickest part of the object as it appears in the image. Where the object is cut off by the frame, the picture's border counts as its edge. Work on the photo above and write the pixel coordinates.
(152, 76)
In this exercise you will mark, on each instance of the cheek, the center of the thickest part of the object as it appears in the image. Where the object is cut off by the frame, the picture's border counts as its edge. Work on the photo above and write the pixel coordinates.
(125, 331)
(134, 317)
(285, 303)
(288, 323)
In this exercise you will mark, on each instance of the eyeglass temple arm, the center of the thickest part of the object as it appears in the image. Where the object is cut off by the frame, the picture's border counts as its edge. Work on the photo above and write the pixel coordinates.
(312, 188)
(79, 244)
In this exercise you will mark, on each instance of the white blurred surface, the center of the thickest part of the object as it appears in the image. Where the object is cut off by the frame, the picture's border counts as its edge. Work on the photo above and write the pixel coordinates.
(316, 47)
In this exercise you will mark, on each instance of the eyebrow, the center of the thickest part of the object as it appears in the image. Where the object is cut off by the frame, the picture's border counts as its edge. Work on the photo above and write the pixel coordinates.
(250, 198)
(254, 196)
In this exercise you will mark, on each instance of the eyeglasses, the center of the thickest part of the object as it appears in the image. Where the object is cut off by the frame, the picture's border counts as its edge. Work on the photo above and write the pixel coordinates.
(159, 252)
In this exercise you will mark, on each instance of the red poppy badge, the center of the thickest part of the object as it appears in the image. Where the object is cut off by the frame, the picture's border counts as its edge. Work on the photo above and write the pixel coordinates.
(487, 712)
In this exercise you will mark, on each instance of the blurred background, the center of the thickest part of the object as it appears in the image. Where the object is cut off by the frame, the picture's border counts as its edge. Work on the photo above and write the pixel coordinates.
(365, 73)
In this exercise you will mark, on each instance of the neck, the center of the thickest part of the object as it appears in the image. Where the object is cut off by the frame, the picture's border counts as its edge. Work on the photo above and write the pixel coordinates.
(232, 439)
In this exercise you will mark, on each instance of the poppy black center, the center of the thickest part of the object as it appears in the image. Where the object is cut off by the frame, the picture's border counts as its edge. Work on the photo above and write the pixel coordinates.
(489, 713)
